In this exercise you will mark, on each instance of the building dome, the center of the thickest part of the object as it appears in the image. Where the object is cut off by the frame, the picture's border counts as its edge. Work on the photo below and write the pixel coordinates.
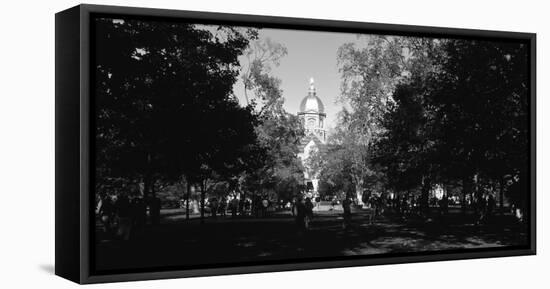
(312, 103)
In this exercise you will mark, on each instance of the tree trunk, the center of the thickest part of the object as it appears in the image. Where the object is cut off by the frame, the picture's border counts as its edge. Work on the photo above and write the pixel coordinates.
(359, 196)
(246, 94)
(501, 195)
(424, 198)
(147, 179)
(146, 186)
(242, 208)
(153, 192)
(188, 193)
(464, 194)
(359, 191)
(475, 194)
(203, 188)
(147, 197)
(151, 201)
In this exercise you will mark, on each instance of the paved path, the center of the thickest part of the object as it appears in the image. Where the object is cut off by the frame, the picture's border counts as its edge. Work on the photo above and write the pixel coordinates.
(227, 240)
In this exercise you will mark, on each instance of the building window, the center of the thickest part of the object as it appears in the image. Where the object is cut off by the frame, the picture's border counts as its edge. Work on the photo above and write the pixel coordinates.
(311, 122)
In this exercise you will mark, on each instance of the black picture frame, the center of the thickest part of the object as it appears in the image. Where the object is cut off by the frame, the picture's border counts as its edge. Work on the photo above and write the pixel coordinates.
(74, 148)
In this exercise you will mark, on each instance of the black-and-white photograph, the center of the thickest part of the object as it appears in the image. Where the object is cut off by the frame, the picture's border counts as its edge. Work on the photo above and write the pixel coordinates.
(220, 145)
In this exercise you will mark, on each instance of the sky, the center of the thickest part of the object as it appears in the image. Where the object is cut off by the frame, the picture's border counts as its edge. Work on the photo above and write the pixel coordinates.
(311, 54)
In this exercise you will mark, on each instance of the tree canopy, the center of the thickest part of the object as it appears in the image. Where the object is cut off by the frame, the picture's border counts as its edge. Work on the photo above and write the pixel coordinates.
(164, 102)
(464, 122)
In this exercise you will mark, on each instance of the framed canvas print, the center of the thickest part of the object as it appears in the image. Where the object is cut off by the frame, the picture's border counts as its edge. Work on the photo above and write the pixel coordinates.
(193, 144)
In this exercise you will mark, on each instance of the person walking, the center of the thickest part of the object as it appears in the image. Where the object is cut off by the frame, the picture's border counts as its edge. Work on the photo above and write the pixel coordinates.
(265, 205)
(223, 206)
(247, 207)
(346, 206)
(214, 207)
(234, 207)
(300, 217)
(309, 212)
(106, 212)
(124, 214)
(293, 206)
(154, 209)
(333, 203)
(481, 208)
(491, 203)
(139, 214)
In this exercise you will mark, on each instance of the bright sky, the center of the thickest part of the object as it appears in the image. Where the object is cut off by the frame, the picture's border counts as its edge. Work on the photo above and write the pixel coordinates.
(310, 54)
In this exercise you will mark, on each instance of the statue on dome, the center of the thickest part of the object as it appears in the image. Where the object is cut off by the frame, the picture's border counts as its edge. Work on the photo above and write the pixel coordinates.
(311, 84)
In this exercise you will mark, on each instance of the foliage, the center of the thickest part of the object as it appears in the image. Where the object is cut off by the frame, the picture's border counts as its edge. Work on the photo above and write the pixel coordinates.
(163, 100)
(371, 70)
(465, 121)
(279, 132)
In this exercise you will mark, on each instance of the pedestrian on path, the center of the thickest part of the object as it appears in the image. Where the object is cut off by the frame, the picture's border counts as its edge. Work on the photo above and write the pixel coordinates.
(300, 213)
(309, 212)
(346, 205)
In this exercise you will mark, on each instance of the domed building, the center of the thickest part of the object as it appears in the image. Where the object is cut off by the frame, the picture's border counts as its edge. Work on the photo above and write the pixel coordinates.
(312, 115)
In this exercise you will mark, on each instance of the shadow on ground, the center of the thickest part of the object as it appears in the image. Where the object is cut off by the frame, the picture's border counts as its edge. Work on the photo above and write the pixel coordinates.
(178, 242)
(47, 268)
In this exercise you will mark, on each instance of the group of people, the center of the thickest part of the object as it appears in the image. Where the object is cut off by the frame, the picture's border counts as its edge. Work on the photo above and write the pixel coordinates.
(303, 212)
(377, 204)
(484, 207)
(123, 216)
(234, 205)
(258, 206)
(405, 205)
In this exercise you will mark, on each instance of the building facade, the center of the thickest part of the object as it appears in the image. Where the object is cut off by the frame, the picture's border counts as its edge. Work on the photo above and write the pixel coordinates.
(312, 115)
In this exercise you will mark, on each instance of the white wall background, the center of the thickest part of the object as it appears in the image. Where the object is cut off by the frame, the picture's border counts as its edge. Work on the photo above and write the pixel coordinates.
(27, 143)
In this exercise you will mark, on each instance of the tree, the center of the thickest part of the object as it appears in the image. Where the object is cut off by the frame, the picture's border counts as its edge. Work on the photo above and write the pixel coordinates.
(371, 70)
(164, 105)
(481, 102)
(405, 150)
(262, 55)
(463, 122)
(278, 131)
(334, 169)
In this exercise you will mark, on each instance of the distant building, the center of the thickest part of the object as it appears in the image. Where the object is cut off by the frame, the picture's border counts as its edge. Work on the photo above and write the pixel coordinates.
(312, 115)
